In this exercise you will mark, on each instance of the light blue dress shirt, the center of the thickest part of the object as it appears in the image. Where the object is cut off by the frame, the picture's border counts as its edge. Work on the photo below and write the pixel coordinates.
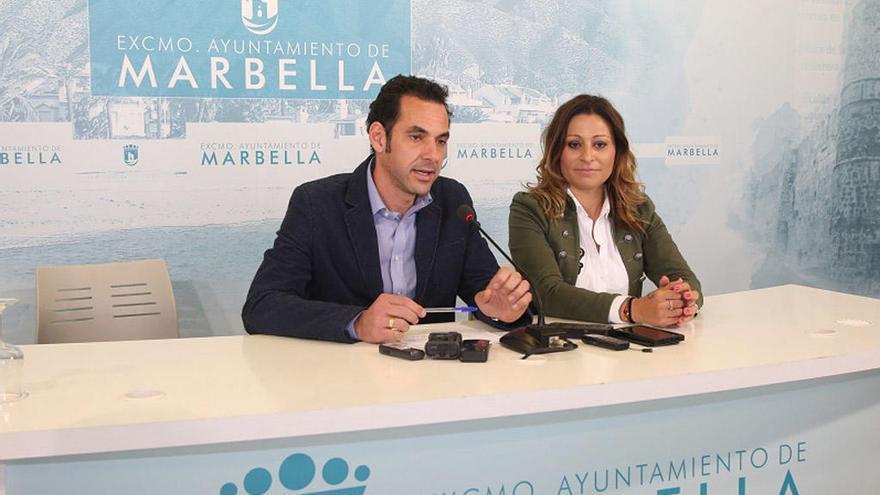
(396, 236)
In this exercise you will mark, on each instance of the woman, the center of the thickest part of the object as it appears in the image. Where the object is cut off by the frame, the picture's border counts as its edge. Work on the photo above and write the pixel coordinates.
(587, 234)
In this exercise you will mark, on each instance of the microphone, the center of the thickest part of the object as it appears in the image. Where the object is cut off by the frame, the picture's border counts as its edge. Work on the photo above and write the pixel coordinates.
(539, 338)
(467, 215)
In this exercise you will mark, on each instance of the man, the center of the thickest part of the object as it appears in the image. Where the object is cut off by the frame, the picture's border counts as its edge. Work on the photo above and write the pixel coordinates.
(360, 256)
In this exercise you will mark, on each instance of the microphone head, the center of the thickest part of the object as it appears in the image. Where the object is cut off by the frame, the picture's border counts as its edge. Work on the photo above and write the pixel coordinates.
(466, 214)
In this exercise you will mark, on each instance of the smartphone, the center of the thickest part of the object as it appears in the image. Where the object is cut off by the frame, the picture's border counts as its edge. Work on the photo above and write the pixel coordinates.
(647, 336)
(401, 351)
(606, 342)
(578, 330)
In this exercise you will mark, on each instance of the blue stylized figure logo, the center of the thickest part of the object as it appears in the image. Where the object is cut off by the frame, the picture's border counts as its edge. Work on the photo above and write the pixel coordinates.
(130, 154)
(259, 16)
(297, 472)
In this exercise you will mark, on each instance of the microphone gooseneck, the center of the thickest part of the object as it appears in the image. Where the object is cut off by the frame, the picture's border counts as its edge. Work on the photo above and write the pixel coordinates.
(467, 214)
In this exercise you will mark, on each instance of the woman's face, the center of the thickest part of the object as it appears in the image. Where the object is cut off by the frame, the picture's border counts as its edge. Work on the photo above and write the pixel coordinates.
(588, 153)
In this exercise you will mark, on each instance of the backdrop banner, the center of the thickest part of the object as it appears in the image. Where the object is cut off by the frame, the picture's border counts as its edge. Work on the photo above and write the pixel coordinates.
(178, 130)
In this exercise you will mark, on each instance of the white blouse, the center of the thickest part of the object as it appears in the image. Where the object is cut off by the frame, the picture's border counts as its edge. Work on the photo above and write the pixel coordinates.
(603, 269)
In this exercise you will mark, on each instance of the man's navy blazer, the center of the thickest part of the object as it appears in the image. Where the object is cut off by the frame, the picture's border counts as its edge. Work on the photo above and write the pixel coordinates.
(324, 266)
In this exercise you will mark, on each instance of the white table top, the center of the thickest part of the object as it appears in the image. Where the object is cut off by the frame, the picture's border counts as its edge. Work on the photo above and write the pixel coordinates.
(228, 389)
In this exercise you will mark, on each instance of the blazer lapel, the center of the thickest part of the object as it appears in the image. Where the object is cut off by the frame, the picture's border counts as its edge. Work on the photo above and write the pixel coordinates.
(362, 230)
(427, 237)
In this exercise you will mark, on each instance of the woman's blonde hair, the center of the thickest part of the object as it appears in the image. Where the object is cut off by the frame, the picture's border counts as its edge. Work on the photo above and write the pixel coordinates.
(625, 193)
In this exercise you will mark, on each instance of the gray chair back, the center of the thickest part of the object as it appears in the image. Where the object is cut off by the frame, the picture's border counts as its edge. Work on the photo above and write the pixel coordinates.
(130, 300)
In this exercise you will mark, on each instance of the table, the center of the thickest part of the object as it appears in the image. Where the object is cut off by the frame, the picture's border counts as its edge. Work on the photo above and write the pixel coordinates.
(773, 391)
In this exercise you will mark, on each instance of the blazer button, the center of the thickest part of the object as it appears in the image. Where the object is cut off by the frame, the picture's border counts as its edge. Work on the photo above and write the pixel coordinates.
(562, 254)
(628, 237)
(638, 256)
(565, 233)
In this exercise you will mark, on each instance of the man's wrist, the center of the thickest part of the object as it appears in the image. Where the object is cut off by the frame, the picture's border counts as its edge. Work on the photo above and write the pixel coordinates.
(351, 328)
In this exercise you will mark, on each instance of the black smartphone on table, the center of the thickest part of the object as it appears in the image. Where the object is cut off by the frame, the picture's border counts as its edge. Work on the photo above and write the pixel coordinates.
(401, 351)
(606, 342)
(647, 336)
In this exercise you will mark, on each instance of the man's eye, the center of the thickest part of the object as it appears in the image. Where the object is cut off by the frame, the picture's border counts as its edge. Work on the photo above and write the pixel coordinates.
(415, 137)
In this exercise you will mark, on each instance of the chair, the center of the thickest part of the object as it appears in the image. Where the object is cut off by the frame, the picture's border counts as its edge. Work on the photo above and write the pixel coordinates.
(130, 300)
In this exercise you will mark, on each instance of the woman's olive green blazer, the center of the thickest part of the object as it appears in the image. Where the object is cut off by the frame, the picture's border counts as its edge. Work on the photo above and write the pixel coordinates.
(548, 251)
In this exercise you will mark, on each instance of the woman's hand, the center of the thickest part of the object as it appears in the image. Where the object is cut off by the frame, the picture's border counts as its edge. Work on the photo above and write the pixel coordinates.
(688, 295)
(673, 303)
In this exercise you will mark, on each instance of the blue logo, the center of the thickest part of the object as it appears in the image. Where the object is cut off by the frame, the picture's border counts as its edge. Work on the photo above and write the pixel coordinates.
(259, 16)
(130, 154)
(297, 472)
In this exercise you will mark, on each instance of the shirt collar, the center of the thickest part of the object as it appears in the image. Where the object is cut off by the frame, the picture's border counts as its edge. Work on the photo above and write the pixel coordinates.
(378, 206)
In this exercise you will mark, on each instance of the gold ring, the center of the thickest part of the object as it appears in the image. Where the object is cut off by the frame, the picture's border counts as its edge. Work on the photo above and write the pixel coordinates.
(391, 323)
(669, 304)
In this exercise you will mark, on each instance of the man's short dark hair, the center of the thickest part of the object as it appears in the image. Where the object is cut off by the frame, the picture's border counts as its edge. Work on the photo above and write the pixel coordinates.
(386, 107)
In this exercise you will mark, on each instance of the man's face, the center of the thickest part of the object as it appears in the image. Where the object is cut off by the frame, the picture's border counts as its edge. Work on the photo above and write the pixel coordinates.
(409, 160)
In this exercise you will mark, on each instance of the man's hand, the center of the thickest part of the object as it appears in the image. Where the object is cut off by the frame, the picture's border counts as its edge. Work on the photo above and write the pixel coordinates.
(506, 297)
(387, 319)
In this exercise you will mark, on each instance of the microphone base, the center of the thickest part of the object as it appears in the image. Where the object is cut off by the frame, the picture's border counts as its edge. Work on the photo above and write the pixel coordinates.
(537, 339)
